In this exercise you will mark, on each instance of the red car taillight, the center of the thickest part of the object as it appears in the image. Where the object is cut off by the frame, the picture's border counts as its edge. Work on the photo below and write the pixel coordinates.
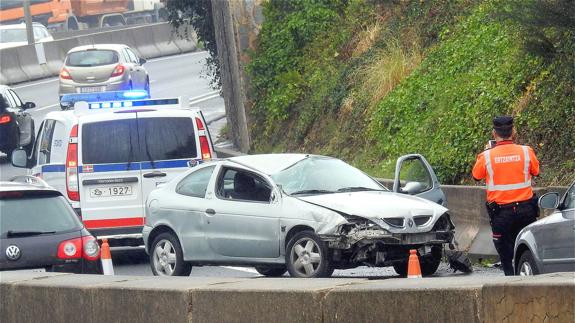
(85, 247)
(64, 74)
(5, 119)
(204, 143)
(119, 70)
(72, 186)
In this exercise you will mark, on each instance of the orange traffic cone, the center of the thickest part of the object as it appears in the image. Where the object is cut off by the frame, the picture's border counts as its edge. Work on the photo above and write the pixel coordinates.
(413, 268)
(106, 258)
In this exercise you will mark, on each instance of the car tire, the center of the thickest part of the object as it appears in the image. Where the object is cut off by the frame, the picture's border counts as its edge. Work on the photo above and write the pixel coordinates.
(428, 264)
(307, 256)
(527, 265)
(271, 271)
(166, 257)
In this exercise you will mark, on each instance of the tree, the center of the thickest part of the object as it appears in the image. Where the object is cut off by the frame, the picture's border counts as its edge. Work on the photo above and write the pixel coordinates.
(185, 15)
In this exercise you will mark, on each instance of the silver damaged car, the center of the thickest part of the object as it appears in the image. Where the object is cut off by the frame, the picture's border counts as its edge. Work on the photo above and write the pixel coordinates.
(304, 214)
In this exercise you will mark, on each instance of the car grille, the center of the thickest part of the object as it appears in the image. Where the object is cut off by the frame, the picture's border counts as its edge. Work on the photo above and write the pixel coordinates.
(421, 220)
(394, 222)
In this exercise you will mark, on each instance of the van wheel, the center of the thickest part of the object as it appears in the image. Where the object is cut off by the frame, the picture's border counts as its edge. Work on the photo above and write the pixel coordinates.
(307, 256)
(166, 257)
(527, 265)
(271, 271)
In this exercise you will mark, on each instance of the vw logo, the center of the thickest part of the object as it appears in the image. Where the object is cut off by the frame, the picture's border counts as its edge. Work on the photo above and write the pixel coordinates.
(13, 253)
(410, 223)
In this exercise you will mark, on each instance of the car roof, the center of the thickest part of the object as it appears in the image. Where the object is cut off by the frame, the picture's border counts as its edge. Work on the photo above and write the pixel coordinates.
(271, 163)
(98, 46)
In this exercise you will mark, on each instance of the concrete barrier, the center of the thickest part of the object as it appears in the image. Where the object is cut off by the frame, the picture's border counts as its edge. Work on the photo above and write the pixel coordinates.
(20, 64)
(53, 297)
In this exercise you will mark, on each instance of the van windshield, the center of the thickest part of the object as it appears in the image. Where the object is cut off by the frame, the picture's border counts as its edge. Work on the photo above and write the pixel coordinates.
(91, 57)
(128, 140)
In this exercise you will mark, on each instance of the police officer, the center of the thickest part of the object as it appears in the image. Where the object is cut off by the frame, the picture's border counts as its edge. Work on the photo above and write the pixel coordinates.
(507, 169)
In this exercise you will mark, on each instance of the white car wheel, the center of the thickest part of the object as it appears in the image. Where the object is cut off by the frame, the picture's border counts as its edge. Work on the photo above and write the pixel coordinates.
(307, 256)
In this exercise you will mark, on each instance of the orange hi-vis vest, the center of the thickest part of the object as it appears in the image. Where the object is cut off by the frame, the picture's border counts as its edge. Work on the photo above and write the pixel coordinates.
(507, 169)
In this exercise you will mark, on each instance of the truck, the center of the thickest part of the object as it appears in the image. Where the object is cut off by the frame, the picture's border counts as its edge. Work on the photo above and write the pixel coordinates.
(63, 15)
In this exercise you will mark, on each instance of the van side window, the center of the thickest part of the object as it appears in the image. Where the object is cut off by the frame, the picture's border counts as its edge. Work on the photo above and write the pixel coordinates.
(45, 148)
(196, 184)
(37, 145)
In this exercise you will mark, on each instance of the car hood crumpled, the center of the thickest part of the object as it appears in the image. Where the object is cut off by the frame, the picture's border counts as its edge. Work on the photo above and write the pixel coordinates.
(376, 205)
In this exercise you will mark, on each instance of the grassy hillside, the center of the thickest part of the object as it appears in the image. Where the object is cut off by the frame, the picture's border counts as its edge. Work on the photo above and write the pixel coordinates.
(368, 81)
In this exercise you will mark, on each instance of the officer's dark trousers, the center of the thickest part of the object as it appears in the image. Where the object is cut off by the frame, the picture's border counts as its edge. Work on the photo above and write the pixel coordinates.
(505, 225)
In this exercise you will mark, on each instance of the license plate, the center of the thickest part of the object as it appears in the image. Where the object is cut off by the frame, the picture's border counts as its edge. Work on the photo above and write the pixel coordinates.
(111, 191)
(92, 89)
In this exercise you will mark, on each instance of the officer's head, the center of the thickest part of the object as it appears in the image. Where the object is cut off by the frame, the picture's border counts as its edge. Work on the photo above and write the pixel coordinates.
(503, 127)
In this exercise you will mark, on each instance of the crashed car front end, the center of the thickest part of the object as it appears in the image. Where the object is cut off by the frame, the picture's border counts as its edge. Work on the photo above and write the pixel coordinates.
(375, 242)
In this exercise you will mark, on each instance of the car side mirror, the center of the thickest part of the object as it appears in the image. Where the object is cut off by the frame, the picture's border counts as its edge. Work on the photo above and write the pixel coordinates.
(549, 200)
(19, 158)
(412, 188)
(29, 105)
(142, 61)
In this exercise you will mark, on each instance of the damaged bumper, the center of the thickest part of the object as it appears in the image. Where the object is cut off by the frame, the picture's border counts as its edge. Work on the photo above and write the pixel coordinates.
(340, 241)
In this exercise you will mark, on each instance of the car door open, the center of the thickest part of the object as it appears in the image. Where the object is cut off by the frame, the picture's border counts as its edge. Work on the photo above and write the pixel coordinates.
(415, 176)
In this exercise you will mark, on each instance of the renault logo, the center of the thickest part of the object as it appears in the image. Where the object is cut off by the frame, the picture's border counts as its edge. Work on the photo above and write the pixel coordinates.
(13, 253)
(410, 223)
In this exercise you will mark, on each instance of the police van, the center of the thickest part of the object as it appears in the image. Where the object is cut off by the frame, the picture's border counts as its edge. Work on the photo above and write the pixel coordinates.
(106, 157)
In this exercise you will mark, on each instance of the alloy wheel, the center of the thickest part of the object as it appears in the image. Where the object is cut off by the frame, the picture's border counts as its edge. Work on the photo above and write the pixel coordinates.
(306, 257)
(164, 258)
(526, 269)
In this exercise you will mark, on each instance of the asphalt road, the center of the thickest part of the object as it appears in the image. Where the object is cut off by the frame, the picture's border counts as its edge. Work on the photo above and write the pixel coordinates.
(135, 261)
(172, 76)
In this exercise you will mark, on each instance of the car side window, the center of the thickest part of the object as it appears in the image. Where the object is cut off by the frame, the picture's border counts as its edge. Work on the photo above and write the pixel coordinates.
(125, 56)
(196, 184)
(46, 142)
(17, 101)
(133, 57)
(569, 202)
(9, 99)
(414, 171)
(235, 184)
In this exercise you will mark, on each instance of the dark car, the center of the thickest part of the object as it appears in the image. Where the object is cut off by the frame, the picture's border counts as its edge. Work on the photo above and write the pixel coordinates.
(16, 125)
(39, 231)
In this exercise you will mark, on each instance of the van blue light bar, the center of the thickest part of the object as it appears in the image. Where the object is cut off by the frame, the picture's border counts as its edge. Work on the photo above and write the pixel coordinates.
(71, 99)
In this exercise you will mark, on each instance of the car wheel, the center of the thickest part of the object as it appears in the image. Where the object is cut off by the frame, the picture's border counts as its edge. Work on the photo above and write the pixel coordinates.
(167, 257)
(307, 256)
(271, 271)
(527, 265)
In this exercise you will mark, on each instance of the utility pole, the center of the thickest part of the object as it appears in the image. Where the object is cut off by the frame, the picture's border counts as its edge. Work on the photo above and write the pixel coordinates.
(28, 20)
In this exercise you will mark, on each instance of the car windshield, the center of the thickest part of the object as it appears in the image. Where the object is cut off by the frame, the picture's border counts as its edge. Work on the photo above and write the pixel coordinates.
(21, 214)
(92, 57)
(323, 175)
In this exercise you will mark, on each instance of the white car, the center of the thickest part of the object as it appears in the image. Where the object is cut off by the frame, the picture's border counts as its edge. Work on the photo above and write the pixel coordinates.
(304, 214)
(15, 35)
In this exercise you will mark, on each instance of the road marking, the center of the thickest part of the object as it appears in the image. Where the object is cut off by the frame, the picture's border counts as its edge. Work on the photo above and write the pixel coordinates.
(37, 83)
(203, 95)
(244, 269)
(204, 99)
(159, 59)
